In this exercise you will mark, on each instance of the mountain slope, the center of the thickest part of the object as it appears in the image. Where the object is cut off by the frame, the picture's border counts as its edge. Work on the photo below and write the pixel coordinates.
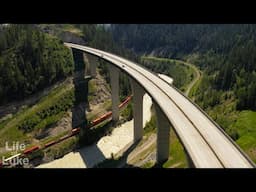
(29, 61)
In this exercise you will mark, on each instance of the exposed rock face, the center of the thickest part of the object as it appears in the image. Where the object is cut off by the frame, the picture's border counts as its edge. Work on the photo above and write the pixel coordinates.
(65, 36)
(102, 92)
(69, 37)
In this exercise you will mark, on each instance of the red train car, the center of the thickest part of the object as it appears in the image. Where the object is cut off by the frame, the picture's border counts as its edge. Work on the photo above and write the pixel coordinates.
(101, 118)
(50, 144)
(75, 131)
(30, 150)
(108, 114)
(63, 138)
(125, 101)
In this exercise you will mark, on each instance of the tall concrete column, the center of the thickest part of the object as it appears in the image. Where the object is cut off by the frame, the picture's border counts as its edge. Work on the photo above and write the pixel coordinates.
(138, 93)
(92, 65)
(114, 83)
(80, 91)
(163, 135)
(87, 64)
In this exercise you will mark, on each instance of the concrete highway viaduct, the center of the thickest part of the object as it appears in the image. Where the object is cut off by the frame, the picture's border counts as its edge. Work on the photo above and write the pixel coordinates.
(204, 141)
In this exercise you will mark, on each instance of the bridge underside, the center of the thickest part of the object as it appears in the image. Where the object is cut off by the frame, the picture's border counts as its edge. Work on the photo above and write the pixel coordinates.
(205, 141)
(86, 65)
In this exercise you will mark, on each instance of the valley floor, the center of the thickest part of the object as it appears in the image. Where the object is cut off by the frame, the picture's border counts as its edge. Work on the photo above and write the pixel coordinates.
(89, 156)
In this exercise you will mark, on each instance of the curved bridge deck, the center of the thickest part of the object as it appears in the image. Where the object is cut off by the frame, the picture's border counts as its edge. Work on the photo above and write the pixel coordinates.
(206, 143)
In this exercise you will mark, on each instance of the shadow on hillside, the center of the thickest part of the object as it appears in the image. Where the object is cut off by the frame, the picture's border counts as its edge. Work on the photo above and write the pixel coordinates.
(91, 154)
(120, 162)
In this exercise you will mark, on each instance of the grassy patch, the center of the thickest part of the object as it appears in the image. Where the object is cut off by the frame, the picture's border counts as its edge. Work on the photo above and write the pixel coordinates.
(144, 154)
(48, 115)
(60, 149)
(92, 89)
(127, 113)
(247, 141)
(54, 138)
(148, 164)
(246, 122)
(181, 72)
(245, 126)
(150, 126)
(107, 105)
(10, 132)
(177, 154)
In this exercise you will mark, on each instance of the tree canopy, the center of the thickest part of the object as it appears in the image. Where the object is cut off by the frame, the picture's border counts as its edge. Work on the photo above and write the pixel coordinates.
(29, 61)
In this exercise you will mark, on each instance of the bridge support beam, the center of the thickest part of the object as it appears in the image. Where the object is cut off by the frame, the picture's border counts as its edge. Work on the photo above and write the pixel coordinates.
(114, 83)
(93, 62)
(138, 93)
(163, 135)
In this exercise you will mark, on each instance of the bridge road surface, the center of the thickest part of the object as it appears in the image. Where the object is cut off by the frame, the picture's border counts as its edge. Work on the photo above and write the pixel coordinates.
(207, 145)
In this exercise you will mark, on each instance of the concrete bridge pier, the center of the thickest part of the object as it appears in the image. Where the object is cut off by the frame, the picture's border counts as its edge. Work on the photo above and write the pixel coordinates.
(163, 135)
(138, 93)
(93, 62)
(86, 64)
(114, 84)
(80, 90)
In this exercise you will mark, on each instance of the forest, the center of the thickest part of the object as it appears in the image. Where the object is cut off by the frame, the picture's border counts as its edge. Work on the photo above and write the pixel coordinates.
(33, 57)
(30, 61)
(226, 52)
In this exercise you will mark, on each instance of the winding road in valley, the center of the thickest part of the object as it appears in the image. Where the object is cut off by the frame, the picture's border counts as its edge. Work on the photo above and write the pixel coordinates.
(196, 78)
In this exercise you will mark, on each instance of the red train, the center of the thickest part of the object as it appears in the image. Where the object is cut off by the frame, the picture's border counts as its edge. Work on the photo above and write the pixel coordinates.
(125, 101)
(30, 150)
(50, 144)
(100, 119)
(75, 131)
(108, 114)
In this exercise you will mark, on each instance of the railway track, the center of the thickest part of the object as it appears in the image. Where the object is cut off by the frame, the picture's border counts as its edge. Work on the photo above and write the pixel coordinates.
(73, 132)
